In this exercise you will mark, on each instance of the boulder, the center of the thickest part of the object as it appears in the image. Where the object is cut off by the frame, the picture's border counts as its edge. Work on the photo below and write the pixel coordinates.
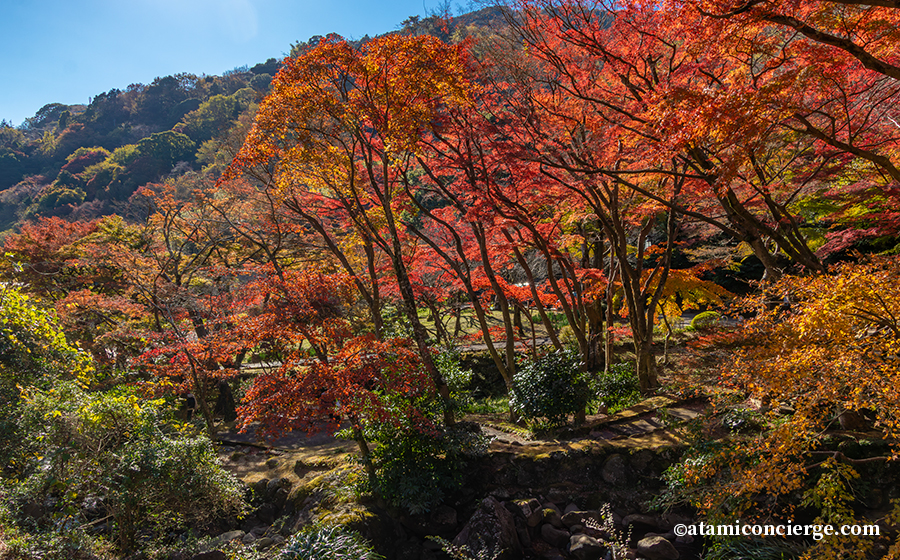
(491, 529)
(551, 505)
(657, 548)
(248, 523)
(553, 517)
(558, 538)
(280, 497)
(615, 470)
(584, 547)
(573, 518)
(259, 531)
(640, 519)
(641, 460)
(524, 534)
(211, 555)
(266, 513)
(248, 538)
(259, 487)
(520, 508)
(224, 538)
(571, 507)
(276, 484)
(558, 495)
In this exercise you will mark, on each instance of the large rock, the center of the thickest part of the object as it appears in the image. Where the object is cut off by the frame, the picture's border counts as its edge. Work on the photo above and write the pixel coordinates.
(524, 534)
(557, 538)
(276, 484)
(224, 538)
(640, 519)
(280, 497)
(553, 517)
(211, 555)
(259, 488)
(491, 529)
(521, 508)
(615, 470)
(259, 531)
(584, 547)
(657, 548)
(249, 522)
(266, 513)
(573, 518)
(558, 495)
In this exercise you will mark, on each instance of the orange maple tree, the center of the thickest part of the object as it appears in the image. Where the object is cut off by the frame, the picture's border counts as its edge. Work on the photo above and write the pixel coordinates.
(335, 139)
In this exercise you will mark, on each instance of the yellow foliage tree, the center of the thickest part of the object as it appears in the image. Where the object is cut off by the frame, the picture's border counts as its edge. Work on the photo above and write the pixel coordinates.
(822, 355)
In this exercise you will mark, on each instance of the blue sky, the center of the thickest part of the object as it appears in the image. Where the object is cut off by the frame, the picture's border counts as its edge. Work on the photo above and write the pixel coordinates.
(66, 51)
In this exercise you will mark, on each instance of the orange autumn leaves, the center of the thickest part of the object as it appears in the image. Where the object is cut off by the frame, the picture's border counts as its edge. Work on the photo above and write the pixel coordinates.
(334, 100)
(325, 369)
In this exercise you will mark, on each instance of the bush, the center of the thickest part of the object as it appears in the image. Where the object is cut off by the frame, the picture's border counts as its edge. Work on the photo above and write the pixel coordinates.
(620, 388)
(557, 318)
(103, 454)
(458, 379)
(417, 469)
(551, 387)
(33, 353)
(705, 320)
(328, 543)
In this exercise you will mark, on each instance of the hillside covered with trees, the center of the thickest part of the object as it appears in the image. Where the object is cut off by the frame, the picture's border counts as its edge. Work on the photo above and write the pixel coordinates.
(515, 224)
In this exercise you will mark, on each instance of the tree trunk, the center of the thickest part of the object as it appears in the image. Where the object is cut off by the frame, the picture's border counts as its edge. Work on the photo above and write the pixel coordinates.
(365, 453)
(225, 405)
(645, 362)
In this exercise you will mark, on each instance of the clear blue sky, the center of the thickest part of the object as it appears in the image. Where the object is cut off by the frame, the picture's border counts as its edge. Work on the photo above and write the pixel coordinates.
(66, 51)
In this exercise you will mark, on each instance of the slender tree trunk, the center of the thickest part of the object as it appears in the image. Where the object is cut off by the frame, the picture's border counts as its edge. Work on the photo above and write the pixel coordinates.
(666, 342)
(200, 392)
(364, 452)
(646, 363)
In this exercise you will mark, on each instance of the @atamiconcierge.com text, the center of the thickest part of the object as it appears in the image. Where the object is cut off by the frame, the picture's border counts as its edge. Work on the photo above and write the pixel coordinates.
(738, 529)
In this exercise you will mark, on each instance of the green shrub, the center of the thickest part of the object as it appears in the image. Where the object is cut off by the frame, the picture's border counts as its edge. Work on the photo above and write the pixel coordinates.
(457, 378)
(557, 318)
(487, 405)
(416, 469)
(34, 354)
(550, 387)
(705, 320)
(328, 543)
(53, 544)
(107, 447)
(618, 389)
